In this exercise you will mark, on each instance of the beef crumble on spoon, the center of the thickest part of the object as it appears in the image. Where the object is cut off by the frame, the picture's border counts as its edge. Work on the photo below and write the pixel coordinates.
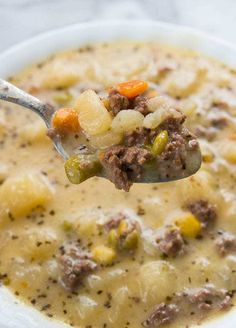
(127, 137)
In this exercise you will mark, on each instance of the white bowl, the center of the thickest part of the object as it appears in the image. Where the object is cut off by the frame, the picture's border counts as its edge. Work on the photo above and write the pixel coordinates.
(13, 313)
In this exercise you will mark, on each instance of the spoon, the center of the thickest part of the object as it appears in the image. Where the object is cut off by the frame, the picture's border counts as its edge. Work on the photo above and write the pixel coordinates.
(11, 93)
(151, 174)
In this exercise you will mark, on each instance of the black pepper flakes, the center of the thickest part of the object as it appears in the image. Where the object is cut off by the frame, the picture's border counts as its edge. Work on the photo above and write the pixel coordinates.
(45, 307)
(140, 211)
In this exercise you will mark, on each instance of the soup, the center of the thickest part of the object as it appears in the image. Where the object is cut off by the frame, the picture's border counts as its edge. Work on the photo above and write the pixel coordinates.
(93, 256)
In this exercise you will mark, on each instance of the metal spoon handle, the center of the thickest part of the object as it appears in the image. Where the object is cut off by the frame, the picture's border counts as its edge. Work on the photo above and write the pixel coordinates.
(10, 93)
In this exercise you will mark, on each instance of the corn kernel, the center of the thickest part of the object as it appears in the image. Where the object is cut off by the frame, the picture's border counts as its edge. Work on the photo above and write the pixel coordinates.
(62, 98)
(113, 238)
(103, 254)
(123, 226)
(189, 225)
(208, 157)
(152, 93)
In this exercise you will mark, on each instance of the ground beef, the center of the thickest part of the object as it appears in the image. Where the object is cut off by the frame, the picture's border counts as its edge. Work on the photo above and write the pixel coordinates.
(117, 102)
(171, 244)
(175, 154)
(138, 137)
(173, 123)
(206, 133)
(161, 314)
(114, 221)
(208, 298)
(204, 211)
(219, 122)
(225, 243)
(140, 104)
(53, 134)
(75, 264)
(124, 165)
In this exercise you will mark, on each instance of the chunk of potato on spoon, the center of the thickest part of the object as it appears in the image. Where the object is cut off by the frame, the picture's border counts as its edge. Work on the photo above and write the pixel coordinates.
(127, 137)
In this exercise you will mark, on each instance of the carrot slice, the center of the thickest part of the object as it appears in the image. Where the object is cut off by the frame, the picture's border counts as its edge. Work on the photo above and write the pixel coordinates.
(66, 119)
(132, 88)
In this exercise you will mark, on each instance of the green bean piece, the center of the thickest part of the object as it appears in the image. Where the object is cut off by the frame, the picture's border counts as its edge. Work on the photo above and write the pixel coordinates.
(160, 143)
(81, 167)
(131, 241)
(67, 226)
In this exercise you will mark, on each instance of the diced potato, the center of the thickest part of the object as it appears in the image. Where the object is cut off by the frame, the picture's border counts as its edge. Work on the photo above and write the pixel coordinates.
(20, 195)
(207, 268)
(127, 120)
(39, 244)
(200, 186)
(34, 132)
(103, 255)
(93, 115)
(221, 77)
(156, 103)
(87, 226)
(86, 305)
(189, 225)
(229, 151)
(59, 75)
(121, 302)
(158, 280)
(153, 120)
(22, 275)
(107, 139)
(188, 107)
(183, 82)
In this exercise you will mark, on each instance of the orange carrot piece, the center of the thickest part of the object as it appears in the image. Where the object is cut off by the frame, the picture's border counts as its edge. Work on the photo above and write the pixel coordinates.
(66, 119)
(132, 88)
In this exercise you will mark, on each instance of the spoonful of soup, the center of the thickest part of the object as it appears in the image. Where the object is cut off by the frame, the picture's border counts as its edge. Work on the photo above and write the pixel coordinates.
(130, 136)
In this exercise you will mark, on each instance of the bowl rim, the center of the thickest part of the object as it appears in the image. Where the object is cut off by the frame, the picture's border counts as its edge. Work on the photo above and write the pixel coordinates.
(16, 313)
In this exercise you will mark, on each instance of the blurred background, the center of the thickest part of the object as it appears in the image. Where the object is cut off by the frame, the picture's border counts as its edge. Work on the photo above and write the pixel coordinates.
(21, 19)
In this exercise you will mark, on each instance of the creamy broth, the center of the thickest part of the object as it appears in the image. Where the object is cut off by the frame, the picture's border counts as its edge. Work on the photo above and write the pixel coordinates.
(40, 211)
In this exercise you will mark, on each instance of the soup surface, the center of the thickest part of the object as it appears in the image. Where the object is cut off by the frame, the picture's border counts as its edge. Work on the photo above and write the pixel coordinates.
(96, 257)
